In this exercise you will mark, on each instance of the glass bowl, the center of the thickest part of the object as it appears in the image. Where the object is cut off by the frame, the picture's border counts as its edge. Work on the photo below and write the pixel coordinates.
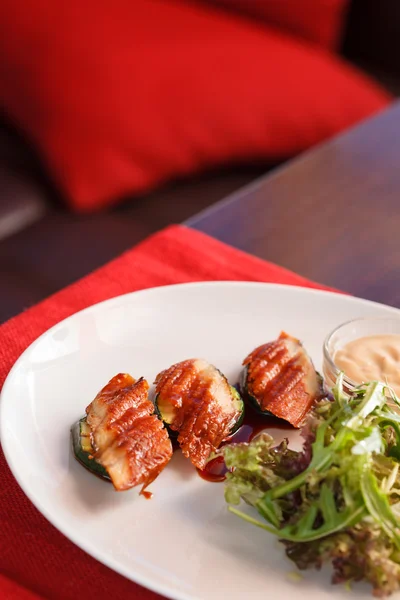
(347, 332)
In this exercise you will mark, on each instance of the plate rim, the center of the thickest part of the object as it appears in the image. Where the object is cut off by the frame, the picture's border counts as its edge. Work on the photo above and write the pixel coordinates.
(86, 545)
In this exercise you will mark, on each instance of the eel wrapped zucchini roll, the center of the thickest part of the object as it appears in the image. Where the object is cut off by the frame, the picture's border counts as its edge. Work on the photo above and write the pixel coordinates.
(121, 438)
(195, 400)
(279, 379)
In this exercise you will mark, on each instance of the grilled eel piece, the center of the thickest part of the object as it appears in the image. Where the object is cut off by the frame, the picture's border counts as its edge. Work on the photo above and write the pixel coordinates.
(127, 439)
(195, 400)
(279, 379)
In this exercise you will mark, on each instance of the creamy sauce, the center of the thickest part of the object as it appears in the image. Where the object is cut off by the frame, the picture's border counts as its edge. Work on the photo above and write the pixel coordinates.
(372, 358)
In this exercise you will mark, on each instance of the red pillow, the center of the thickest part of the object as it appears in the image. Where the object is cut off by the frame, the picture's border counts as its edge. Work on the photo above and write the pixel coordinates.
(120, 96)
(318, 21)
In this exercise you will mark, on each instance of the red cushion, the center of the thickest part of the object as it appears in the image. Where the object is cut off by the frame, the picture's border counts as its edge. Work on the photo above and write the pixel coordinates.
(120, 96)
(318, 21)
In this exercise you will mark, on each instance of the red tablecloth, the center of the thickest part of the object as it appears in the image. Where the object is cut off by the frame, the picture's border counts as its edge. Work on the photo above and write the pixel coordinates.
(36, 561)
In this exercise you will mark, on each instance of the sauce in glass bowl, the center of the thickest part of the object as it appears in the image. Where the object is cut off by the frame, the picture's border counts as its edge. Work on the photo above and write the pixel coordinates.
(364, 350)
(371, 358)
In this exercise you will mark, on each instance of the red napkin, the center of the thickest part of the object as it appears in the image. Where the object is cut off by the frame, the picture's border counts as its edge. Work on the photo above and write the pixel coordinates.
(36, 561)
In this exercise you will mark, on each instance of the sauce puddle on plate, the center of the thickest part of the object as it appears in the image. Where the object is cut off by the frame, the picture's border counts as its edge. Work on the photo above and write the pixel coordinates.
(253, 424)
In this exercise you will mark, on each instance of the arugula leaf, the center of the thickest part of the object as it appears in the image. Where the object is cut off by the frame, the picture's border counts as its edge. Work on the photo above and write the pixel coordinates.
(339, 498)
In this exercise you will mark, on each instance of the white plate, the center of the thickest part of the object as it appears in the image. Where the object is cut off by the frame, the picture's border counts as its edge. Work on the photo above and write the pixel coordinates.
(183, 543)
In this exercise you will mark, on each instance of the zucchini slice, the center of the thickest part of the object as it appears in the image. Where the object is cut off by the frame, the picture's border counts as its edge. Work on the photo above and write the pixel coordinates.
(83, 450)
(279, 380)
(238, 402)
(197, 404)
(121, 438)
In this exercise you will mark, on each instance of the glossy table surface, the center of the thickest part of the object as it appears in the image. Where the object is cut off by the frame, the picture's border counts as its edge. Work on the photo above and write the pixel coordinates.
(332, 214)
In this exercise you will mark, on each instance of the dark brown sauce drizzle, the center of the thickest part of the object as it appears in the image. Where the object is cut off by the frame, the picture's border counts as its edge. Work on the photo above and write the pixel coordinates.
(215, 470)
(146, 494)
(253, 424)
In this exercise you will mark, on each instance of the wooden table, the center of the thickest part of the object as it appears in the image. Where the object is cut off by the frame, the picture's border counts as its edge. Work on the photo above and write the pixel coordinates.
(332, 214)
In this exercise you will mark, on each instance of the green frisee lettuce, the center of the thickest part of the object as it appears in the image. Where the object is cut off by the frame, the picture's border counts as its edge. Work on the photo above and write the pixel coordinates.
(343, 486)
